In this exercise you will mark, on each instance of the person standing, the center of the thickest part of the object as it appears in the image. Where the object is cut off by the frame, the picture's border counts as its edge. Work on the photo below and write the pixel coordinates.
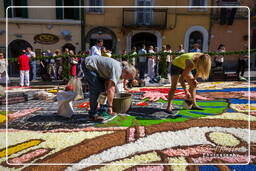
(219, 59)
(168, 57)
(142, 62)
(169, 61)
(181, 49)
(23, 62)
(33, 70)
(157, 60)
(151, 64)
(133, 59)
(58, 61)
(3, 74)
(196, 48)
(96, 50)
(242, 65)
(51, 65)
(73, 63)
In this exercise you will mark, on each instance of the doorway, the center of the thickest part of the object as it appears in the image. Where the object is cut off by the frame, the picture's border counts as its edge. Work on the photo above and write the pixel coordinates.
(14, 51)
(144, 38)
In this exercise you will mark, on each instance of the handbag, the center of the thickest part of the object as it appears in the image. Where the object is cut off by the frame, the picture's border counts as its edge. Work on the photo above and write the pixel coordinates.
(73, 61)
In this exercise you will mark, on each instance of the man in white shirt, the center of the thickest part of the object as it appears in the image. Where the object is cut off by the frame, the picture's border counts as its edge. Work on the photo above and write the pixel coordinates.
(96, 50)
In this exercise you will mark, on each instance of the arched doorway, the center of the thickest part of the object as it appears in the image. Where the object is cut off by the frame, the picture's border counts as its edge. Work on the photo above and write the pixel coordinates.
(69, 46)
(107, 35)
(197, 33)
(144, 38)
(196, 37)
(14, 50)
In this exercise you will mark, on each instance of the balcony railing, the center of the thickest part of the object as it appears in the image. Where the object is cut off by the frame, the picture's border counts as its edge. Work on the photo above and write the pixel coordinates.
(228, 3)
(145, 17)
(241, 13)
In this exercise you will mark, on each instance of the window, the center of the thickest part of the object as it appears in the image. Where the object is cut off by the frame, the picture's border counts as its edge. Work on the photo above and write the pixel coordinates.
(195, 37)
(96, 3)
(198, 2)
(228, 2)
(144, 15)
(67, 13)
(16, 12)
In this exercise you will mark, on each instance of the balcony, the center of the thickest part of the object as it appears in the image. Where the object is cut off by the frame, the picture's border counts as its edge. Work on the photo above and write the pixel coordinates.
(241, 13)
(145, 18)
(228, 3)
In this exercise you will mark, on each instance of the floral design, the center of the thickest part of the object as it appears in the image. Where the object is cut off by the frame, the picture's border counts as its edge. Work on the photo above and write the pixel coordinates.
(224, 139)
(19, 147)
(177, 160)
(232, 116)
(28, 156)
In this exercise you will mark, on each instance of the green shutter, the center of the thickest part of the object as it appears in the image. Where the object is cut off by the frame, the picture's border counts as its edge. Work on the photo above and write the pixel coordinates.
(59, 11)
(24, 11)
(8, 3)
(76, 10)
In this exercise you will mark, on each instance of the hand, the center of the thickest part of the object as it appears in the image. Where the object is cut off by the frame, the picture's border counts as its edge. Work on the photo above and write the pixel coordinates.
(194, 82)
(110, 111)
(188, 95)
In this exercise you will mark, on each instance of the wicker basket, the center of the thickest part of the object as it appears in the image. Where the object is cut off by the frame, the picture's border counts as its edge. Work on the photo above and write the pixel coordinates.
(122, 103)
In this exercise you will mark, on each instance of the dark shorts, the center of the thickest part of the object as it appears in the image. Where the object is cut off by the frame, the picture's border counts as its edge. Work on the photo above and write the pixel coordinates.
(176, 70)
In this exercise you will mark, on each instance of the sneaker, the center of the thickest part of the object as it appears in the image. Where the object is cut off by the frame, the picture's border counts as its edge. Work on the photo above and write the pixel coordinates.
(106, 115)
(96, 118)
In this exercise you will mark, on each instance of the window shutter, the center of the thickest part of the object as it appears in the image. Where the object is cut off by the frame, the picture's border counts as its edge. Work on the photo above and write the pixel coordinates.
(8, 3)
(24, 11)
(59, 11)
(198, 2)
(76, 10)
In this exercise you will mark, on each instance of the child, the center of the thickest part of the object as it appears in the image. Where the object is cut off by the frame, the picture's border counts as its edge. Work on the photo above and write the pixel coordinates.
(65, 99)
(181, 70)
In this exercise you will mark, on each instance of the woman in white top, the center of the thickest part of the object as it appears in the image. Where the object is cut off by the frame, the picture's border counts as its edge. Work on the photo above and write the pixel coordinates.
(3, 73)
(219, 59)
(151, 63)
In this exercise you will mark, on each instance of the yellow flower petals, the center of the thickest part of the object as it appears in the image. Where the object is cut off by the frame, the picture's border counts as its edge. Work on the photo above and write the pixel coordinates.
(232, 116)
(20, 147)
(224, 139)
(178, 160)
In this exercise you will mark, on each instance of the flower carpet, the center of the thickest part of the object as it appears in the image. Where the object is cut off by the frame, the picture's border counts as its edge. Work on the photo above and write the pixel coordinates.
(145, 138)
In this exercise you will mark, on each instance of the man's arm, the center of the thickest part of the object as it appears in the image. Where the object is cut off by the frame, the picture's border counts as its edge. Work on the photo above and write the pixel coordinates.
(110, 85)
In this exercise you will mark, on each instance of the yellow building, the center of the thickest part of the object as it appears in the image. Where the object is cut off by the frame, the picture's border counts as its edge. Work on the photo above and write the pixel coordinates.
(123, 28)
(53, 28)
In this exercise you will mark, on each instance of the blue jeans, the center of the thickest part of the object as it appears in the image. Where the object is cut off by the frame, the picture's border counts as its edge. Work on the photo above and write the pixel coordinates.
(33, 70)
(142, 69)
(96, 86)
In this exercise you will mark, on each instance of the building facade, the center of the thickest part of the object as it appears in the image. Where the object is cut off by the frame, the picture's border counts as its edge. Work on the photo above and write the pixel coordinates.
(229, 26)
(120, 28)
(123, 28)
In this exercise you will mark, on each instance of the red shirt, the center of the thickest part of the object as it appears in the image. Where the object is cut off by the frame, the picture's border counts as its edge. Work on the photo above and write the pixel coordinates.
(24, 62)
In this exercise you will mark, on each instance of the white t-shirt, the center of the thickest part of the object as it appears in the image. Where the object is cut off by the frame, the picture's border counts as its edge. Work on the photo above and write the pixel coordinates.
(96, 50)
(168, 57)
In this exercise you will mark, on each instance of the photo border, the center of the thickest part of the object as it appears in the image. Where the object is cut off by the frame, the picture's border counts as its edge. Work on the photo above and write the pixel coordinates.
(150, 164)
